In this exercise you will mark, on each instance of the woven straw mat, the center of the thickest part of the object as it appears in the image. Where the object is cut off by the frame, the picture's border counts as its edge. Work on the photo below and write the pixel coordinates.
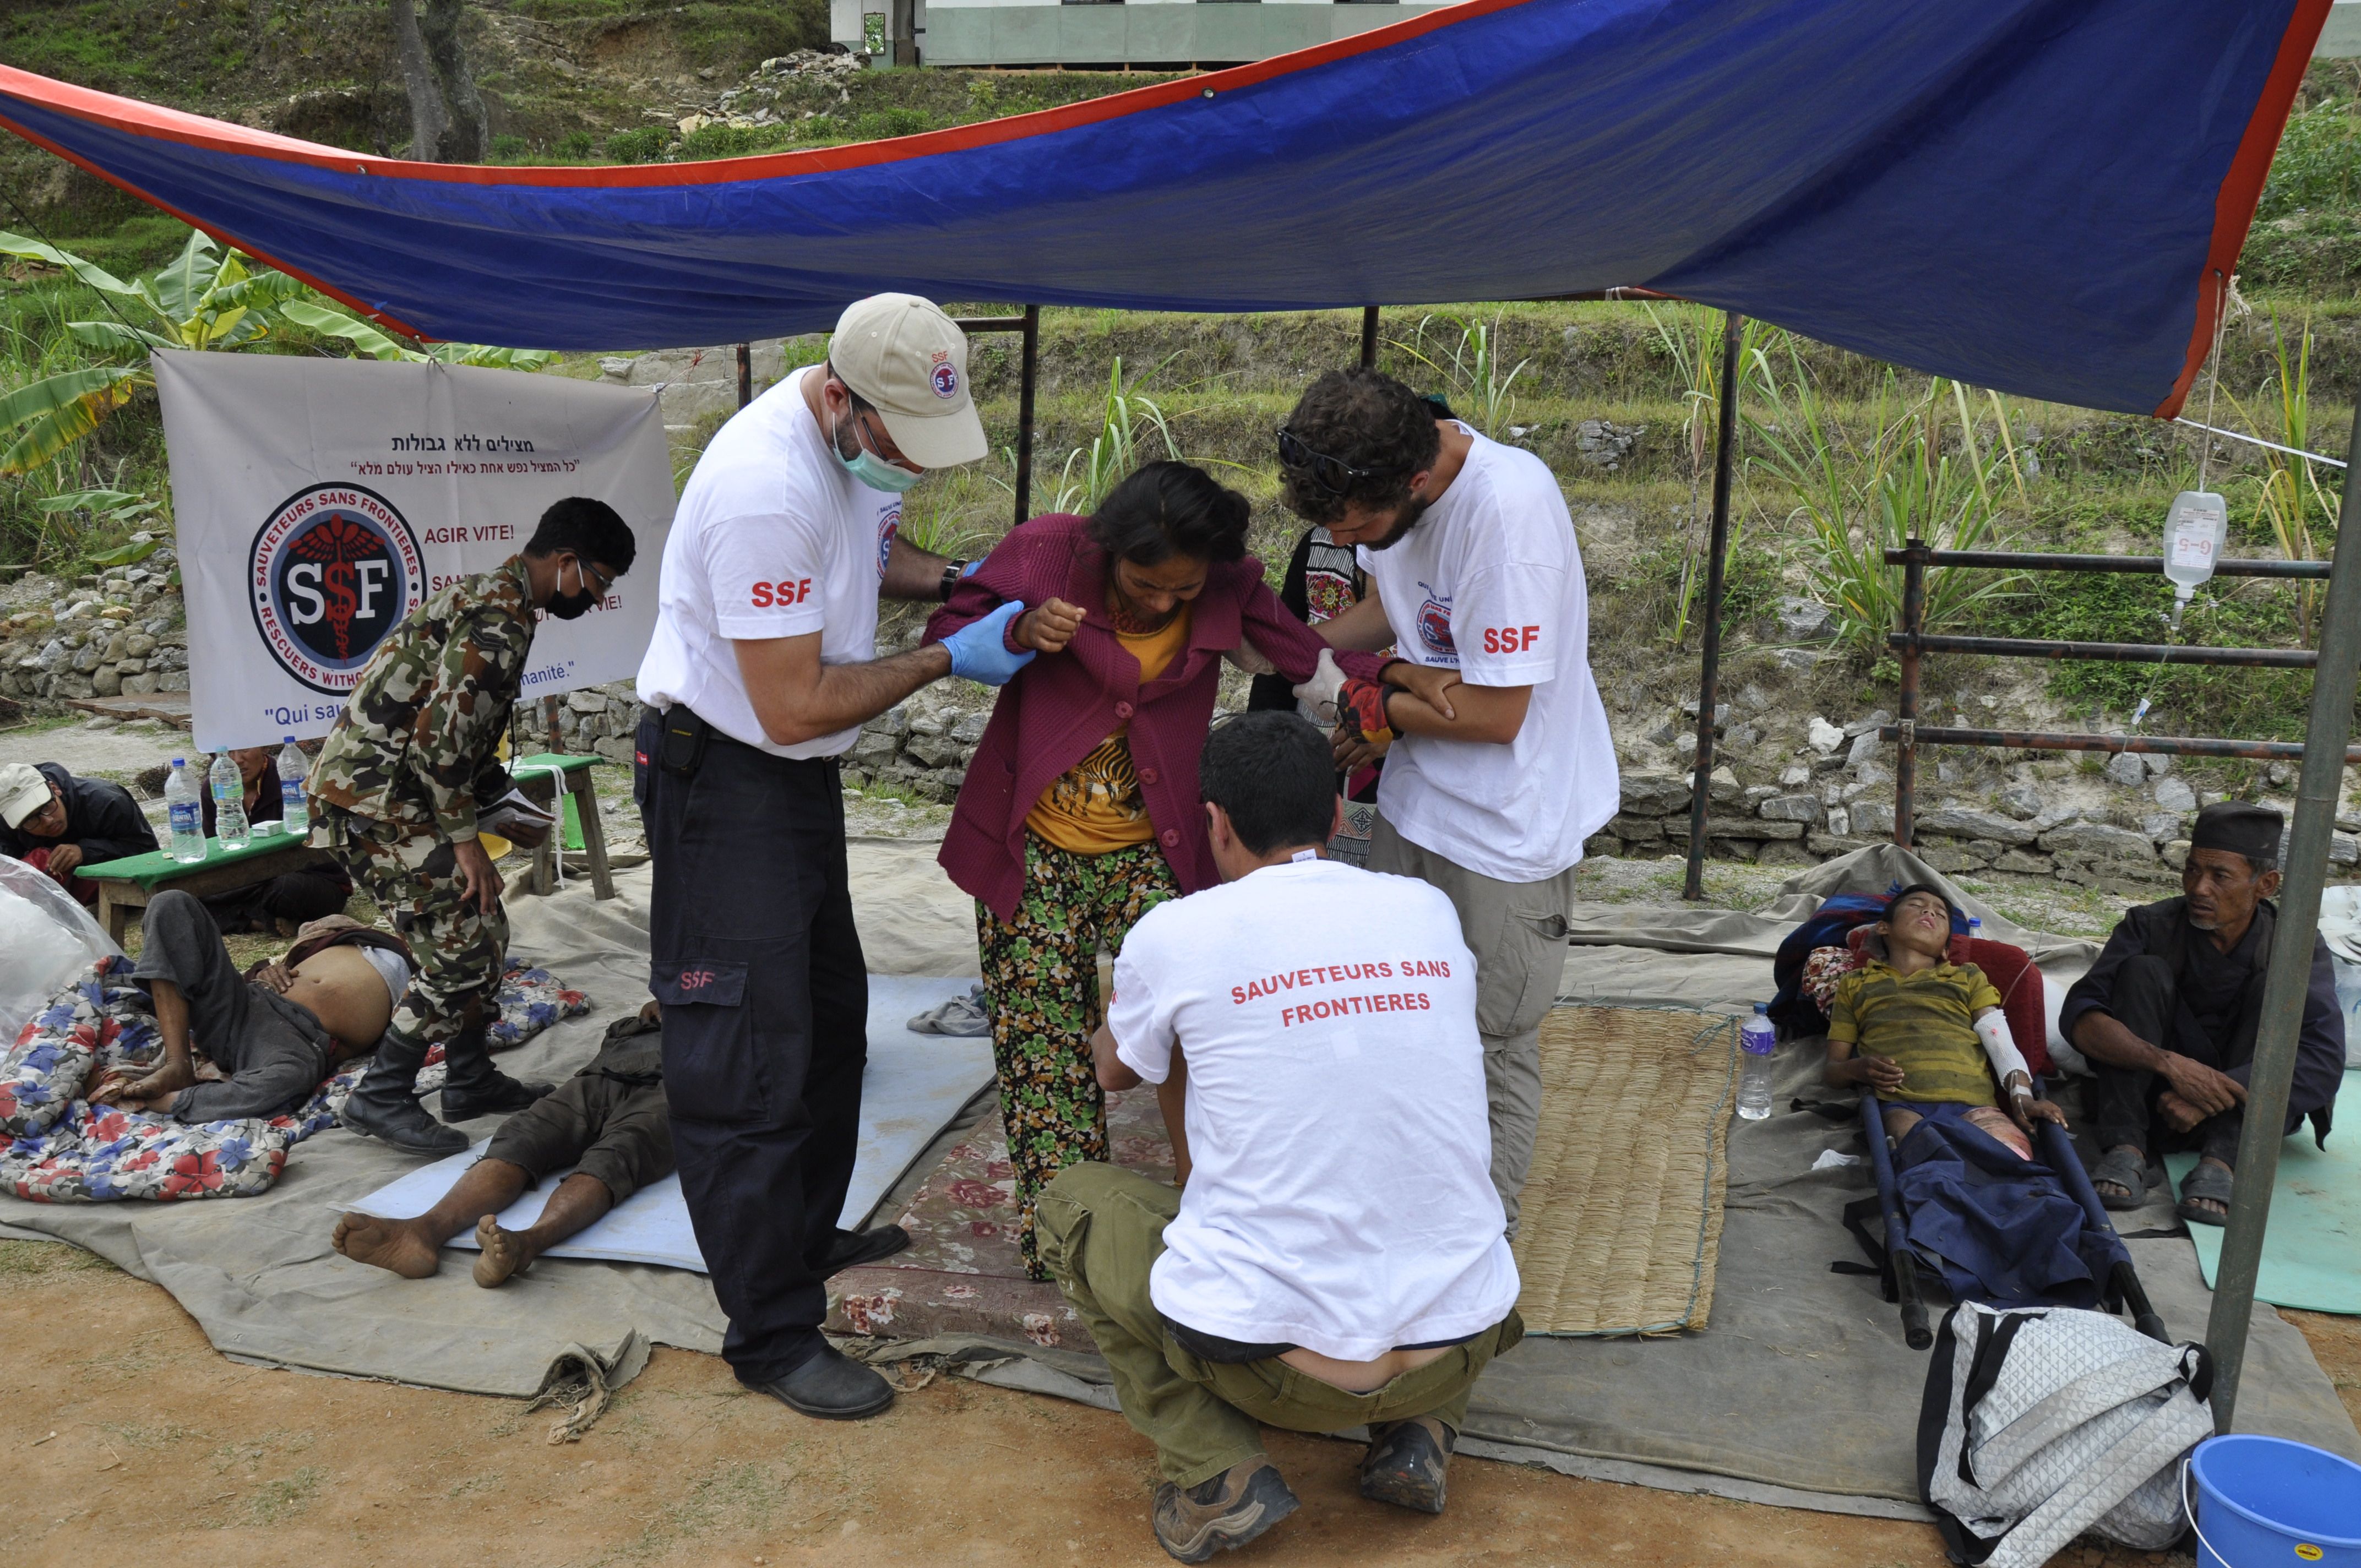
(1621, 1215)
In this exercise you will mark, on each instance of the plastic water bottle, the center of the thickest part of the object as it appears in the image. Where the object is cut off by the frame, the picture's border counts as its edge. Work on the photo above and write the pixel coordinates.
(229, 802)
(1975, 928)
(182, 805)
(2193, 532)
(1756, 1039)
(294, 815)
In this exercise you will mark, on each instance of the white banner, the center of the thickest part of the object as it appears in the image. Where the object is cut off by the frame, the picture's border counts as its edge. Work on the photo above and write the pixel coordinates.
(317, 502)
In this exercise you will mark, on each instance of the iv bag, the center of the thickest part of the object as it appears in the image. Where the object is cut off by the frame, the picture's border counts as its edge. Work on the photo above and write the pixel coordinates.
(2193, 532)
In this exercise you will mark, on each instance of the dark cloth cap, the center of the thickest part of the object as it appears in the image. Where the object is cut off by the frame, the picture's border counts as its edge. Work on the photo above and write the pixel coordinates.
(2240, 827)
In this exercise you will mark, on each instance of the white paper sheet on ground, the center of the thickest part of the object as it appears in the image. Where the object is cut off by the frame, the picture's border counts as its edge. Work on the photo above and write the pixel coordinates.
(914, 1085)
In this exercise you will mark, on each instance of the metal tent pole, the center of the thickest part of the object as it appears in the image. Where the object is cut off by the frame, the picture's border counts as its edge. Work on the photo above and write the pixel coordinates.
(1725, 443)
(1368, 337)
(2291, 971)
(1027, 360)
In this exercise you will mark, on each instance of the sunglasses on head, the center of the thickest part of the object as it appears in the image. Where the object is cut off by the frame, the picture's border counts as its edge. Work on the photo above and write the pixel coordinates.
(1333, 475)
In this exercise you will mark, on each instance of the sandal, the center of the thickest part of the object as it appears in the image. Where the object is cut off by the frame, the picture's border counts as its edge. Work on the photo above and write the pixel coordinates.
(2124, 1169)
(2205, 1181)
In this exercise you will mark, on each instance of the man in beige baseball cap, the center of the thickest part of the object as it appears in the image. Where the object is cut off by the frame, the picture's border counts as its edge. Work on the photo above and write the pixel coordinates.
(57, 823)
(904, 363)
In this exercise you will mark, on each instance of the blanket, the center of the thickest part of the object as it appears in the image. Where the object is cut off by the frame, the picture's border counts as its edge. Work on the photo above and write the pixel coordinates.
(66, 1150)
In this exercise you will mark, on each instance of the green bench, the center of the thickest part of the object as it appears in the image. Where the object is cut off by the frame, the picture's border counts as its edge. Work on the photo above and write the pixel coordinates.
(541, 774)
(126, 886)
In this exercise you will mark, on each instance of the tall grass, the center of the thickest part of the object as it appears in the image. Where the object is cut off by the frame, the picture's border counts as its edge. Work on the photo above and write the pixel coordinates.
(1481, 392)
(2290, 491)
(1131, 425)
(1688, 338)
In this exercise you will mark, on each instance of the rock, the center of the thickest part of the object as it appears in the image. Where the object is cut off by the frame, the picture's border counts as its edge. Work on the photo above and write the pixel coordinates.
(1952, 856)
(2175, 853)
(1872, 819)
(2156, 763)
(177, 681)
(106, 681)
(1742, 735)
(1799, 659)
(2126, 768)
(2344, 849)
(871, 750)
(1604, 445)
(1866, 747)
(2056, 815)
(1876, 720)
(1786, 852)
(139, 645)
(927, 724)
(1826, 765)
(1654, 795)
(2021, 801)
(1824, 737)
(1840, 820)
(1789, 808)
(1661, 735)
(89, 658)
(1804, 620)
(1685, 743)
(2174, 795)
(1975, 825)
(1750, 827)
(1738, 848)
(2024, 864)
(118, 648)
(586, 701)
(139, 685)
(1720, 711)
(2099, 841)
(934, 751)
(1721, 786)
(967, 729)
(1872, 776)
(1601, 845)
(895, 720)
(2162, 826)
(1637, 828)
(615, 749)
(2280, 774)
(1795, 777)
(1834, 843)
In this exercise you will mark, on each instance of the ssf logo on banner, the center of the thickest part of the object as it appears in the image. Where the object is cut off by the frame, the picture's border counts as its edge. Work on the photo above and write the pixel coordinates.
(317, 503)
(331, 572)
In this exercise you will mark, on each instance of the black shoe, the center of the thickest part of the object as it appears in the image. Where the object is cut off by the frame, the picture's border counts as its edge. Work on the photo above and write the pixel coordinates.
(850, 1249)
(384, 1103)
(1227, 1511)
(473, 1087)
(832, 1387)
(1406, 1463)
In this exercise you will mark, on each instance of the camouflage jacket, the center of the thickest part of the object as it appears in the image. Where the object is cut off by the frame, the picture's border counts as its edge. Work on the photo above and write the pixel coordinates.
(420, 735)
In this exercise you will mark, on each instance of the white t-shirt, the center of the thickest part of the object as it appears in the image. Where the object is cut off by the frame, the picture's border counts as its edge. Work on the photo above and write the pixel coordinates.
(1342, 1196)
(773, 538)
(1490, 583)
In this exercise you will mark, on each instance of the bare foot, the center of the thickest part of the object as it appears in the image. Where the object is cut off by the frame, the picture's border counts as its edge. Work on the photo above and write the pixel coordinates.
(503, 1253)
(397, 1244)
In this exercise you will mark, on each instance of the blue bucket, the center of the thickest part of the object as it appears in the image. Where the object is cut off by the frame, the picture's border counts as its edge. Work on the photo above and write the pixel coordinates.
(2263, 1502)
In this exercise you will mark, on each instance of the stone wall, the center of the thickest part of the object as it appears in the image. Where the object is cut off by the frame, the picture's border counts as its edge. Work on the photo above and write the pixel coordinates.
(121, 632)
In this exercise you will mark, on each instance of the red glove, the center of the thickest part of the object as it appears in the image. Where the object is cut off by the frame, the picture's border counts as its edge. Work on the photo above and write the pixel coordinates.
(1361, 707)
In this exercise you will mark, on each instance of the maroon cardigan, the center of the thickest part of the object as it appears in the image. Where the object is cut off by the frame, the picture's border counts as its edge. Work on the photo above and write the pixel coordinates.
(1061, 706)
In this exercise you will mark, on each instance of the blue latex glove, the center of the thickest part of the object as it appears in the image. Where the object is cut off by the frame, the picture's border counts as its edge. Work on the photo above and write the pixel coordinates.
(979, 650)
(973, 568)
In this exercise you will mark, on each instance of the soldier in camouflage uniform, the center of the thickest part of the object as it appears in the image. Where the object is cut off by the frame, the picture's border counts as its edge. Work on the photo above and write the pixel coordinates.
(395, 794)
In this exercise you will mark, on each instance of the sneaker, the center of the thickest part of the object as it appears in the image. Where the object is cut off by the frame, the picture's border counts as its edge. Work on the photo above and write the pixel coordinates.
(1406, 1462)
(1228, 1510)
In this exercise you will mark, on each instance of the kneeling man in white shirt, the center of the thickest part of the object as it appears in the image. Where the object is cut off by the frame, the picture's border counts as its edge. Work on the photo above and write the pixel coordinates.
(1336, 1258)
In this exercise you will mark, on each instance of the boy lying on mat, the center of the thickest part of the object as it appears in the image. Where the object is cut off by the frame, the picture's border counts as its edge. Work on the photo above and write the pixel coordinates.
(1929, 1033)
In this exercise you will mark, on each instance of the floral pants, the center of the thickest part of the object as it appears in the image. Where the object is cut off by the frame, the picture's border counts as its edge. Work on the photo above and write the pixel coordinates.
(1042, 983)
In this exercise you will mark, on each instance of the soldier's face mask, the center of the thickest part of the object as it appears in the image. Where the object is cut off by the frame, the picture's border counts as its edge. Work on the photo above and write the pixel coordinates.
(569, 606)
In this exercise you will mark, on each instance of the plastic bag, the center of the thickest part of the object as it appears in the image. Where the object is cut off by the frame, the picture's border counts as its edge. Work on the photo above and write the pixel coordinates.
(48, 939)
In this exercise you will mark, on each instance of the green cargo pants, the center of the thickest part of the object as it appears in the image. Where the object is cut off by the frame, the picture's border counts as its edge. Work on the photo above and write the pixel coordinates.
(1100, 1229)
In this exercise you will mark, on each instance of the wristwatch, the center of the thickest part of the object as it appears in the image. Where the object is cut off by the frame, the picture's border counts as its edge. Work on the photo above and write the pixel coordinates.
(952, 575)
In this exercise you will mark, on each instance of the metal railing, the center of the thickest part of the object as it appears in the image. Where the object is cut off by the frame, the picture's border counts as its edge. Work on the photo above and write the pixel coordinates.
(1911, 640)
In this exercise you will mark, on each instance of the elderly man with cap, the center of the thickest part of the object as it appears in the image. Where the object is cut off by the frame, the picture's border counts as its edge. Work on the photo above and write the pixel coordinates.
(2169, 1013)
(56, 822)
(762, 668)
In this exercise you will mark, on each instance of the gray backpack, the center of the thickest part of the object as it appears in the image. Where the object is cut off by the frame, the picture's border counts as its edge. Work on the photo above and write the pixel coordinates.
(2043, 1423)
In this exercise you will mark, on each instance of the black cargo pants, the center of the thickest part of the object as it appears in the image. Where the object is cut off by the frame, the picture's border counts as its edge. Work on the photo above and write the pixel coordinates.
(765, 1018)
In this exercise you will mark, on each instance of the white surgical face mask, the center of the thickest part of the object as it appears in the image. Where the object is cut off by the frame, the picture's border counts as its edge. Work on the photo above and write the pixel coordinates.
(867, 467)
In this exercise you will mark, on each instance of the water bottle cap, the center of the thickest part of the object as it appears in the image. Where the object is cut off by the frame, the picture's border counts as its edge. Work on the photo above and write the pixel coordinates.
(1763, 1008)
(180, 762)
(288, 740)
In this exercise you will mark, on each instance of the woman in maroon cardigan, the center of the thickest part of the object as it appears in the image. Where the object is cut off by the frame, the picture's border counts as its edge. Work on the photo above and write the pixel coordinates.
(1080, 812)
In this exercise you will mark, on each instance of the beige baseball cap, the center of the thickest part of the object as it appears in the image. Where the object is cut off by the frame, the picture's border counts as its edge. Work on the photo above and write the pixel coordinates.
(901, 353)
(23, 791)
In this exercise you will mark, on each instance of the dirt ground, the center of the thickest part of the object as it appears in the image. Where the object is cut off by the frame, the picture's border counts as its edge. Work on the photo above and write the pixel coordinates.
(128, 1428)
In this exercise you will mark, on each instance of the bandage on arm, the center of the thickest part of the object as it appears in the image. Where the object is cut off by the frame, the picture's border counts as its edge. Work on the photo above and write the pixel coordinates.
(2000, 1048)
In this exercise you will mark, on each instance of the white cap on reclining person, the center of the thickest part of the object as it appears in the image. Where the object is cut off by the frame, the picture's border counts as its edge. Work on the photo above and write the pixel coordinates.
(23, 791)
(903, 354)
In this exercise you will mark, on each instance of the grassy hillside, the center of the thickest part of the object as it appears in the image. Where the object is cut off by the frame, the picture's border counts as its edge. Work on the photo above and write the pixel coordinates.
(1584, 386)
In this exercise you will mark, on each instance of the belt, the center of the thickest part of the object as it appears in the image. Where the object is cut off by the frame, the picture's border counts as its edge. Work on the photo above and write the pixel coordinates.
(683, 734)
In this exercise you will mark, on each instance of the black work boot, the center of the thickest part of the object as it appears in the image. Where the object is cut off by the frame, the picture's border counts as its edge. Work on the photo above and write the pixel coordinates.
(1406, 1463)
(384, 1103)
(1227, 1511)
(850, 1249)
(832, 1387)
(473, 1087)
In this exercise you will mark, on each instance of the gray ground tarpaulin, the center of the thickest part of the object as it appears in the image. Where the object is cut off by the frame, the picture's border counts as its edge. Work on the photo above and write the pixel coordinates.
(1801, 1391)
(260, 1279)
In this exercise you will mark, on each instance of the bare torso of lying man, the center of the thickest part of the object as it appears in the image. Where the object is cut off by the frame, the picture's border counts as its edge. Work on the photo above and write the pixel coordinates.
(340, 988)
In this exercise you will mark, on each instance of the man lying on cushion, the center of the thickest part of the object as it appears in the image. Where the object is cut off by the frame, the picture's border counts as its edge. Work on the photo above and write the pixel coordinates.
(273, 1036)
(1929, 1031)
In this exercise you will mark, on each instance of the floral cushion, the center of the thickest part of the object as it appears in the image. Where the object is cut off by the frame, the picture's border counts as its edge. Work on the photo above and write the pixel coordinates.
(66, 1150)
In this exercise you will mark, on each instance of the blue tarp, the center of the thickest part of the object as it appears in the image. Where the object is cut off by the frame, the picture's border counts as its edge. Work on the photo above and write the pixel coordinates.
(2043, 196)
